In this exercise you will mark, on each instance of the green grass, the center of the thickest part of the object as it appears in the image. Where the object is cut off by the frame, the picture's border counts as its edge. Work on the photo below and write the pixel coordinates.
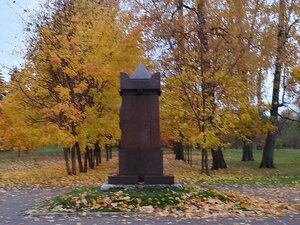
(283, 158)
(82, 199)
(157, 198)
(48, 150)
(287, 171)
(208, 193)
(13, 154)
(34, 157)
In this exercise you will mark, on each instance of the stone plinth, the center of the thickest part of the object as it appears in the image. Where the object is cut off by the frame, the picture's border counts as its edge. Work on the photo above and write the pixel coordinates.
(109, 187)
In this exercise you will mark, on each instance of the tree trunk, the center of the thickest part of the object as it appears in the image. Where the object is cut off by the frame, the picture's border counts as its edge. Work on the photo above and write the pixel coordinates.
(110, 151)
(100, 155)
(174, 148)
(91, 158)
(268, 153)
(191, 157)
(218, 160)
(207, 86)
(247, 152)
(119, 143)
(96, 154)
(79, 159)
(204, 162)
(66, 156)
(179, 36)
(73, 160)
(178, 148)
(107, 152)
(99, 152)
(188, 154)
(86, 158)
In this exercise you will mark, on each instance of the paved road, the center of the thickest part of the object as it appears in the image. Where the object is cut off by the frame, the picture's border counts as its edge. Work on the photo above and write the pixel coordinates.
(14, 203)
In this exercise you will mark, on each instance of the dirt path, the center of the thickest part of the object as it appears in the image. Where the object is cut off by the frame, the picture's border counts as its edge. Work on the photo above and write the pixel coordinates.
(13, 204)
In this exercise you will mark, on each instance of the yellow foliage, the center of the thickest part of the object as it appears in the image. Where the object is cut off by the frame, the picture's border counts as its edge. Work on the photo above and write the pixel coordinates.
(296, 73)
(69, 72)
(16, 131)
(68, 89)
(83, 86)
(63, 92)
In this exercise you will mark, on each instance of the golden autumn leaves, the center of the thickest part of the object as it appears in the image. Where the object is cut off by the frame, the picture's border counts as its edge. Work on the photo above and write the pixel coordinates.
(181, 203)
(69, 85)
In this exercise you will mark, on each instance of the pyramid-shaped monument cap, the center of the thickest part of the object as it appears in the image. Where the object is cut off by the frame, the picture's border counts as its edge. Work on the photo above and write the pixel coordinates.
(140, 73)
(141, 79)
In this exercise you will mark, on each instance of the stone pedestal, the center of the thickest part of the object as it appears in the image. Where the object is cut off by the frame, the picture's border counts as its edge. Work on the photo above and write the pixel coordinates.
(140, 156)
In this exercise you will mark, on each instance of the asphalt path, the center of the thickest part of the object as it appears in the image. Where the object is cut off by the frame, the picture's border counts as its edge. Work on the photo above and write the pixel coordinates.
(15, 203)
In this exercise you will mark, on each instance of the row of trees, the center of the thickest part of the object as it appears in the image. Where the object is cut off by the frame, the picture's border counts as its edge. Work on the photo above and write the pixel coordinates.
(215, 56)
(289, 130)
(67, 92)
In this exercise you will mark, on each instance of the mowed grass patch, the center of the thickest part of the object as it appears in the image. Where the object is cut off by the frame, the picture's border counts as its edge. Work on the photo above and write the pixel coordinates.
(287, 170)
(189, 202)
(46, 168)
(12, 157)
(94, 200)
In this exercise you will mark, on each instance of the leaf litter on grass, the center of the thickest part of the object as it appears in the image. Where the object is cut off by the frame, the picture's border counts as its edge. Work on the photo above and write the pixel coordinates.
(50, 172)
(197, 202)
(193, 202)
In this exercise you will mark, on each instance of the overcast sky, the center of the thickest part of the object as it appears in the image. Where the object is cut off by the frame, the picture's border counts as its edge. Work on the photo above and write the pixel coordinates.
(12, 35)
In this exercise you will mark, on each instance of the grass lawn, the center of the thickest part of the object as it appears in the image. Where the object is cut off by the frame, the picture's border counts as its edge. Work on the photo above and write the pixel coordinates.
(94, 199)
(287, 162)
(45, 168)
(188, 202)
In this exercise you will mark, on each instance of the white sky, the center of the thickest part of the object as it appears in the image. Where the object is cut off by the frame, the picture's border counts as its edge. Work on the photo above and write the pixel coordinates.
(12, 36)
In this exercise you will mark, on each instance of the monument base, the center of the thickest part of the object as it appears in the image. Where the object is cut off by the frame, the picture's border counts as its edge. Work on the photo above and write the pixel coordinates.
(109, 187)
(159, 179)
(119, 179)
(122, 179)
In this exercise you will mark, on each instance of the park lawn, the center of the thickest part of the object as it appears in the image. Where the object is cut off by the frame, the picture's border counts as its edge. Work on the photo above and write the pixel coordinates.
(94, 199)
(287, 162)
(45, 168)
(186, 202)
(287, 170)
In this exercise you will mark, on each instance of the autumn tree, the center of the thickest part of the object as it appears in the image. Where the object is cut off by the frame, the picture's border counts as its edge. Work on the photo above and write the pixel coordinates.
(288, 129)
(17, 131)
(71, 75)
(252, 43)
(287, 33)
(2, 84)
(293, 89)
(208, 51)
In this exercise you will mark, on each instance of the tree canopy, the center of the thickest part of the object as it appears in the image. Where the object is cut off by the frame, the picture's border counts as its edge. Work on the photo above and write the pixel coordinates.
(216, 58)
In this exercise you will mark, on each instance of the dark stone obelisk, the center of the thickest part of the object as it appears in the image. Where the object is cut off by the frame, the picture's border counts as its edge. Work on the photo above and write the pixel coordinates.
(140, 156)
